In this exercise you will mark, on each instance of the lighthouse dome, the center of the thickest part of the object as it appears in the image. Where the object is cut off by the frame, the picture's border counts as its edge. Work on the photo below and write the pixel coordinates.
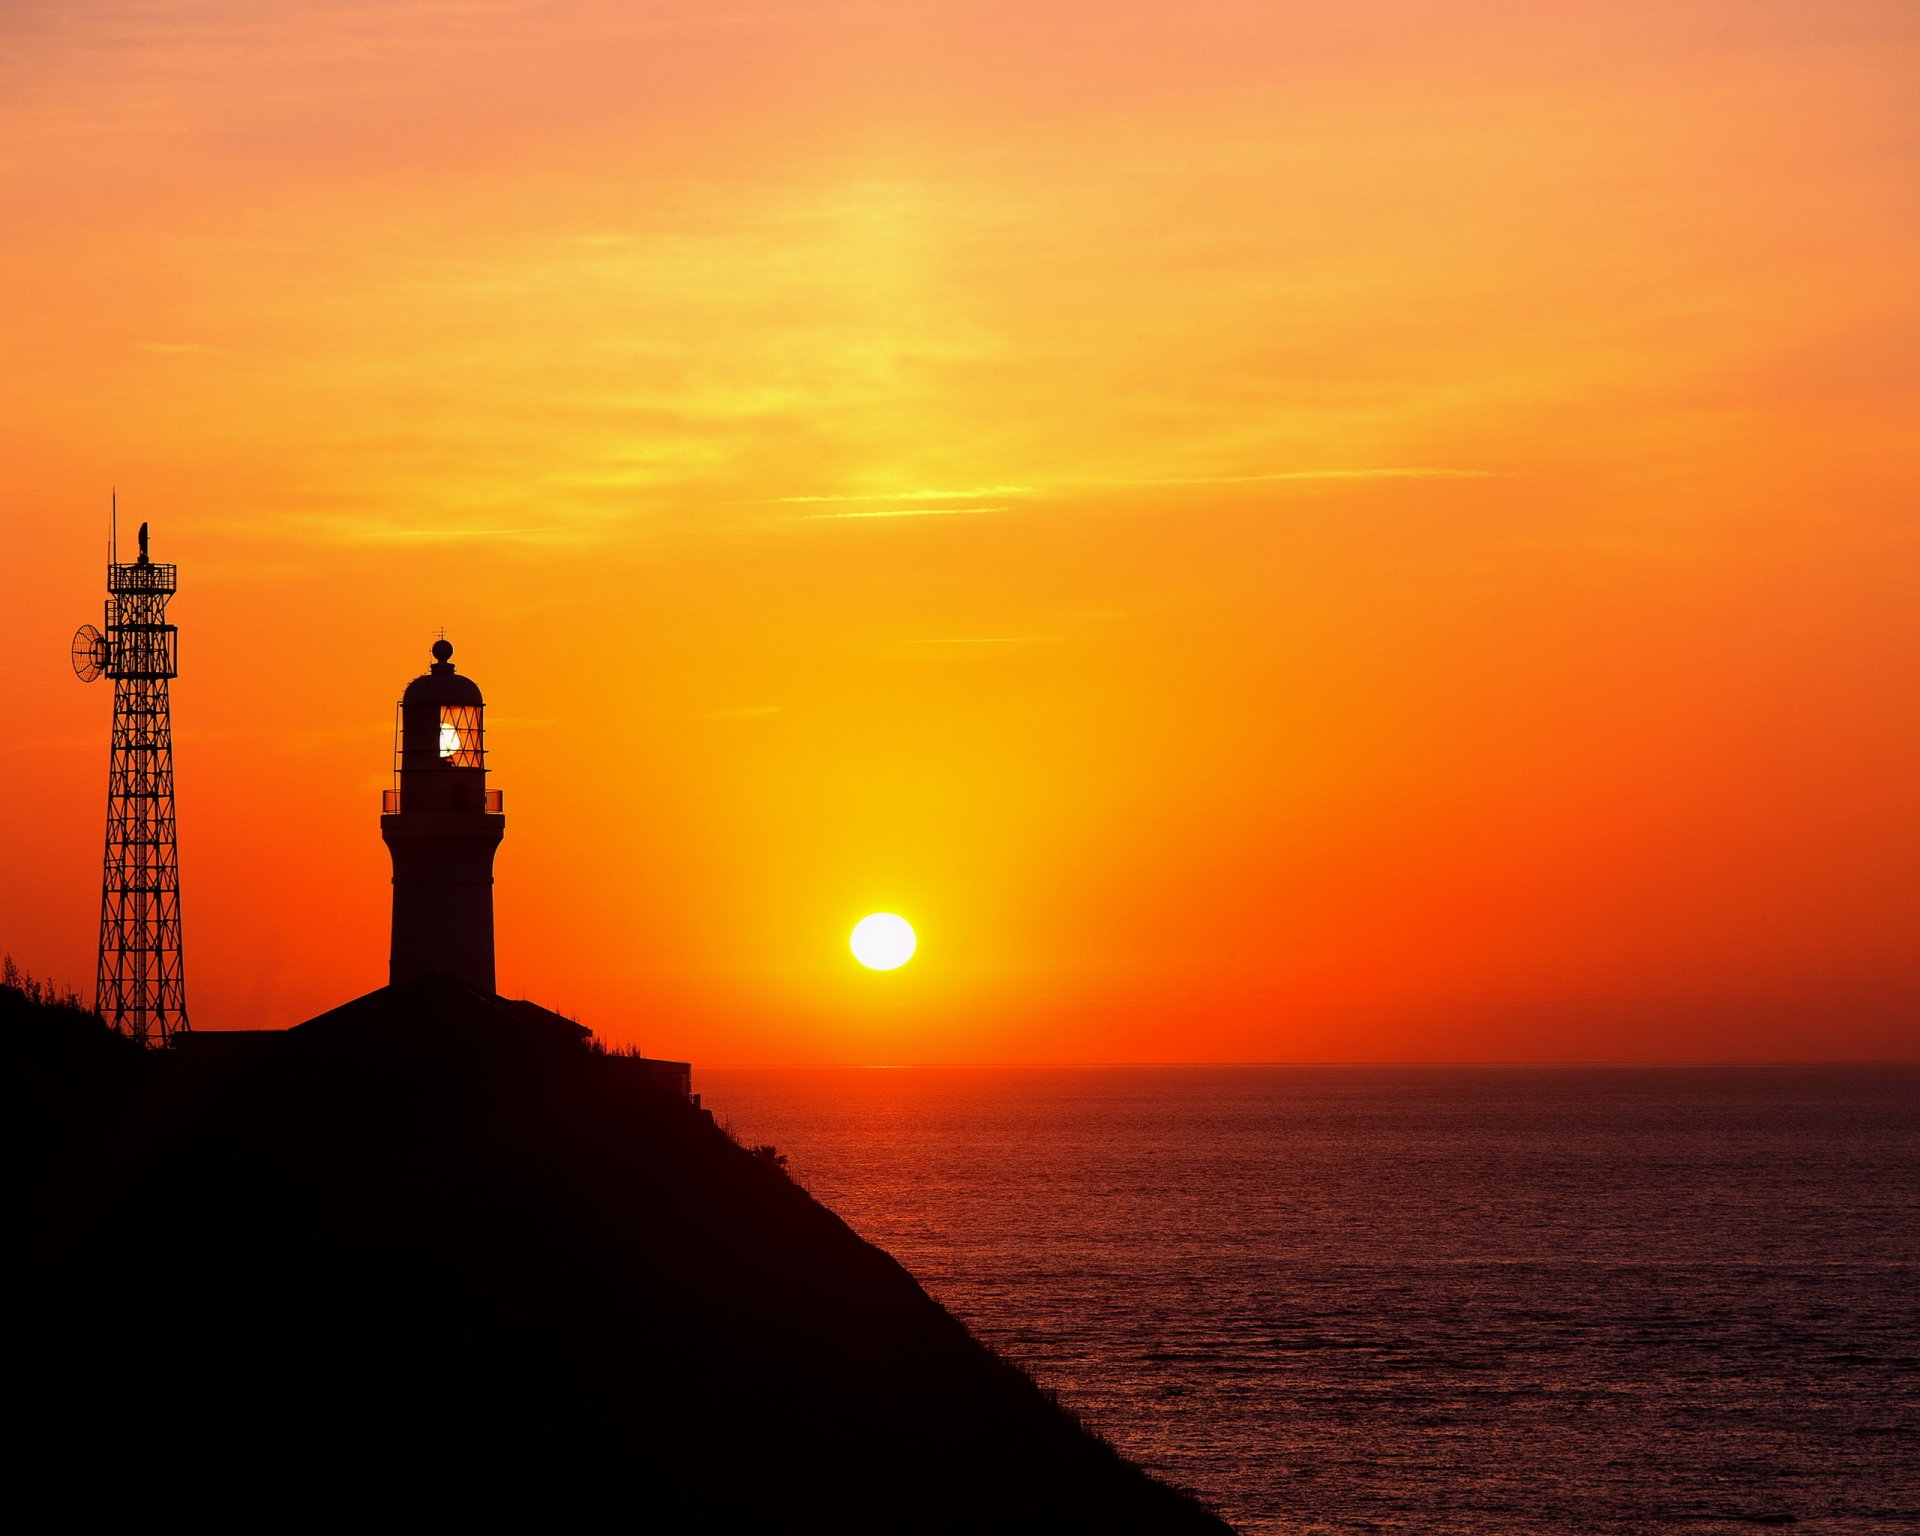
(440, 684)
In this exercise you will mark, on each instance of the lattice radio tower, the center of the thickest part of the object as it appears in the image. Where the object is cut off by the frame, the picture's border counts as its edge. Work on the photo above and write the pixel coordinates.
(139, 988)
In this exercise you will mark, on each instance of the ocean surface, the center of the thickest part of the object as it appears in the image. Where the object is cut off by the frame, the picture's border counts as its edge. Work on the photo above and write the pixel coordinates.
(1436, 1300)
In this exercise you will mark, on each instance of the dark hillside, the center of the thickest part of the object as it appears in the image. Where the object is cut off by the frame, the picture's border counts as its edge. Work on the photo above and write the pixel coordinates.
(430, 1267)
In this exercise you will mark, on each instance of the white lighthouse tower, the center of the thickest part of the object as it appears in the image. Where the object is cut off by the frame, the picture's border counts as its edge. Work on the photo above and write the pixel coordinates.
(442, 824)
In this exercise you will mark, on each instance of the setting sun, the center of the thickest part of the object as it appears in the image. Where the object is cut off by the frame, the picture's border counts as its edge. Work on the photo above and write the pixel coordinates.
(883, 942)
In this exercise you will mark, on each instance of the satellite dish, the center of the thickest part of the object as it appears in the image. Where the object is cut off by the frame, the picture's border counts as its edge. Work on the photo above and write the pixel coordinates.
(89, 653)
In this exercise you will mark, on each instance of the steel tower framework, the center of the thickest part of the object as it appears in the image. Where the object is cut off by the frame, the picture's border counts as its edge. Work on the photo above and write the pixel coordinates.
(140, 989)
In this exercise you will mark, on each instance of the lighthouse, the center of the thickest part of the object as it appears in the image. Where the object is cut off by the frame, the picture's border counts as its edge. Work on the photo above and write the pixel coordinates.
(441, 824)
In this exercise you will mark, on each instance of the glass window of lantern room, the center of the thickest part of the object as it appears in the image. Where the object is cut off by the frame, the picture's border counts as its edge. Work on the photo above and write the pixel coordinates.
(461, 745)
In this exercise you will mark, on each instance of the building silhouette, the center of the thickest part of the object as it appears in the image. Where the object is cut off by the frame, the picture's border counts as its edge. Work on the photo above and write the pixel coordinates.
(442, 824)
(440, 1004)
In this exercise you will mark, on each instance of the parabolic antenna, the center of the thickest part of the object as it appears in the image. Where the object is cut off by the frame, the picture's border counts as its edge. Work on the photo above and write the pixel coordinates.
(89, 653)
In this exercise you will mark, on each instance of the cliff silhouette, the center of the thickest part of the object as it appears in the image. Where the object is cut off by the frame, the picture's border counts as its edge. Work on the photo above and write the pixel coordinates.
(430, 1259)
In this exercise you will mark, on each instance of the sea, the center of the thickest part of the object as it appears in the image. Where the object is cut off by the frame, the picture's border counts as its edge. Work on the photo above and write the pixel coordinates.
(1581, 1300)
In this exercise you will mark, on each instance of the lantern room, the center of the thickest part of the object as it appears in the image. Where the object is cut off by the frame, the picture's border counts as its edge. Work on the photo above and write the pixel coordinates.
(439, 749)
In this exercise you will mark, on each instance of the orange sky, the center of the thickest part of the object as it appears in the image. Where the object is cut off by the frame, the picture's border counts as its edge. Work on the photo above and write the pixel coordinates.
(1269, 531)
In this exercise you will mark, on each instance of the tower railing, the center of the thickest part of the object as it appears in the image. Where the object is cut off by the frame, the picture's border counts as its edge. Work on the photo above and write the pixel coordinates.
(143, 577)
(493, 802)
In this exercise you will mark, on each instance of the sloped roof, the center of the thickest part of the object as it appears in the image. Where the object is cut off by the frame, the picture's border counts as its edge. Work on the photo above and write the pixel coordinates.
(439, 1013)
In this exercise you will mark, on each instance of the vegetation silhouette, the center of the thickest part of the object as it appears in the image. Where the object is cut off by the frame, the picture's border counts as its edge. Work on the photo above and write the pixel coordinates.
(430, 1259)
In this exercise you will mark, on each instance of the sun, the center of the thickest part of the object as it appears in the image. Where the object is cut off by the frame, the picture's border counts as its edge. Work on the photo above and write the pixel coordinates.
(883, 942)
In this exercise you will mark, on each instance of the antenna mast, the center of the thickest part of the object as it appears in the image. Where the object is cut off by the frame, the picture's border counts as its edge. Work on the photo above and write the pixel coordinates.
(140, 989)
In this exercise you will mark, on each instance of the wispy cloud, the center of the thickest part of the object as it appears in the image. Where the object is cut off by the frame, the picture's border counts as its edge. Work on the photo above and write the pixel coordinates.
(983, 640)
(364, 530)
(929, 503)
(1391, 472)
(978, 490)
(457, 533)
(1413, 473)
(823, 517)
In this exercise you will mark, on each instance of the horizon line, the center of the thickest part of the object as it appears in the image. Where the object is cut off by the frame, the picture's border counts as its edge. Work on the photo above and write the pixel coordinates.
(1500, 1064)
